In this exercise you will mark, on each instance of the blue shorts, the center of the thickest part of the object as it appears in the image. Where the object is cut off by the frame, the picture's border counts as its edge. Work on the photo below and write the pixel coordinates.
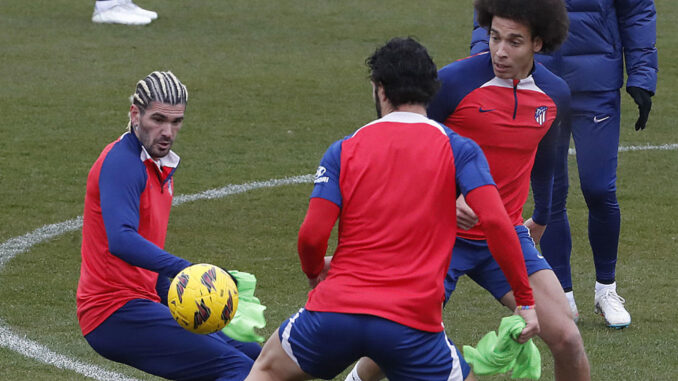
(144, 335)
(473, 258)
(323, 344)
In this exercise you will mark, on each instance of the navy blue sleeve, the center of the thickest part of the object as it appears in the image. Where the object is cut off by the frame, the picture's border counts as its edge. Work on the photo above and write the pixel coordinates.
(121, 183)
(162, 288)
(326, 181)
(542, 176)
(545, 159)
(638, 30)
(458, 80)
(445, 101)
(471, 168)
(479, 38)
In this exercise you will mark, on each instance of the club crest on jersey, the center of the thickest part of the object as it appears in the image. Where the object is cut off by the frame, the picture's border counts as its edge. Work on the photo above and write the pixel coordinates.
(208, 278)
(540, 114)
(319, 175)
(181, 285)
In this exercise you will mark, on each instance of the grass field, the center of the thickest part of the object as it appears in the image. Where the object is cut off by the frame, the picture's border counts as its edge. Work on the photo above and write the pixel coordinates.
(272, 84)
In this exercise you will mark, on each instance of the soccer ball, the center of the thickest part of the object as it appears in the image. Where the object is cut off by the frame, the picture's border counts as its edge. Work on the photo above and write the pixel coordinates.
(203, 298)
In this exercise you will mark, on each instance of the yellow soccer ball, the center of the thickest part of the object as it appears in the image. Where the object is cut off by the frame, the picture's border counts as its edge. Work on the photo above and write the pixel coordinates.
(203, 298)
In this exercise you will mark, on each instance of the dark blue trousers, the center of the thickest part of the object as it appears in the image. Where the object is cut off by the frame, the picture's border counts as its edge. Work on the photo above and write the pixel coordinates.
(594, 126)
(144, 335)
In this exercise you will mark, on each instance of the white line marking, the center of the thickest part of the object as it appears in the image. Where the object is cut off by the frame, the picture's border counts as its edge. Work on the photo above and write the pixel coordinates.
(18, 245)
(663, 147)
(36, 351)
(235, 189)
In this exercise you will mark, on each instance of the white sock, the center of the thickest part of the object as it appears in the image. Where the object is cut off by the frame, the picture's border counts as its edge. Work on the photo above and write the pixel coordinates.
(353, 376)
(600, 286)
(570, 296)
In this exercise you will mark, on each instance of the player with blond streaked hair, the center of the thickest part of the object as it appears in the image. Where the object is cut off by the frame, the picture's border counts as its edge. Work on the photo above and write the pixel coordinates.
(125, 272)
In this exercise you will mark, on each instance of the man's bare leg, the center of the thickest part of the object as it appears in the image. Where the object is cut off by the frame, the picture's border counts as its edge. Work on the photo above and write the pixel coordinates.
(367, 370)
(273, 364)
(558, 329)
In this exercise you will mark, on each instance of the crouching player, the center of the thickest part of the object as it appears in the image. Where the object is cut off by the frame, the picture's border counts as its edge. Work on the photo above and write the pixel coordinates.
(127, 207)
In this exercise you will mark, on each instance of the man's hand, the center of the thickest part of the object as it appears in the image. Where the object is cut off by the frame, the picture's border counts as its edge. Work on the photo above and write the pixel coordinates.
(643, 99)
(536, 230)
(231, 275)
(466, 217)
(323, 274)
(531, 323)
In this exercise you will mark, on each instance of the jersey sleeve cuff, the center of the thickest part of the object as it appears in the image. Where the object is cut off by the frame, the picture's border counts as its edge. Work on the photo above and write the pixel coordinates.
(540, 217)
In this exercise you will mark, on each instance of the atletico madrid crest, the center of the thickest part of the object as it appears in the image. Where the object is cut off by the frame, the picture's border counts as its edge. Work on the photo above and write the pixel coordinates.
(540, 114)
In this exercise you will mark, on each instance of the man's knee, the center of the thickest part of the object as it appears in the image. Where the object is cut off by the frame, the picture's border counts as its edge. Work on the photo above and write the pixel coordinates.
(563, 339)
(600, 195)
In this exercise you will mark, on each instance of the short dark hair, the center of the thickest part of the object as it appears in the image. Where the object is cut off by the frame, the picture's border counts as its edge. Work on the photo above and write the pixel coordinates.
(547, 19)
(405, 70)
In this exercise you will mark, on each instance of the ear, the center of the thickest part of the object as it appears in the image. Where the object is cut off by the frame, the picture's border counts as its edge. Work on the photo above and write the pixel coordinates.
(380, 92)
(134, 114)
(537, 44)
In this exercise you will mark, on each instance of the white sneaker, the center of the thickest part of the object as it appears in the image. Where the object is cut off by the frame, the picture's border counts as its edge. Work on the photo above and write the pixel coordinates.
(138, 10)
(611, 306)
(573, 306)
(118, 14)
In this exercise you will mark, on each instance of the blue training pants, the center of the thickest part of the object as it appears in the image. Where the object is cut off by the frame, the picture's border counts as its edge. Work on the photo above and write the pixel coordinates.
(594, 125)
(144, 335)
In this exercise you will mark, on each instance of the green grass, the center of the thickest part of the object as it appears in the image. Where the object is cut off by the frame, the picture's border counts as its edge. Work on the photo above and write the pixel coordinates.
(271, 85)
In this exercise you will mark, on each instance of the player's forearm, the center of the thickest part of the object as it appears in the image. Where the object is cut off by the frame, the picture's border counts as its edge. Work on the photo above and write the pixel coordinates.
(162, 287)
(542, 190)
(638, 31)
(313, 235)
(311, 251)
(542, 177)
(502, 240)
(134, 249)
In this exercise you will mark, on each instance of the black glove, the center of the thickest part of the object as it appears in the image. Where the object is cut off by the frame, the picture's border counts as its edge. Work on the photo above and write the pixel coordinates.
(643, 99)
(231, 275)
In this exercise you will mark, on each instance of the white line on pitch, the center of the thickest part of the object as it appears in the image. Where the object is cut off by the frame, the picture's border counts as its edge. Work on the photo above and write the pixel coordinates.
(30, 348)
(663, 147)
(18, 245)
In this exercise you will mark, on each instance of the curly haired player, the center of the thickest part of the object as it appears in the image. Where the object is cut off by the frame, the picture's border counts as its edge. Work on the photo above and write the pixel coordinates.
(392, 184)
(512, 108)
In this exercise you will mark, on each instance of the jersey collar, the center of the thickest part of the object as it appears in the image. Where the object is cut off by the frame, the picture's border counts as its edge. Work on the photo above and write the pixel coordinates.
(170, 160)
